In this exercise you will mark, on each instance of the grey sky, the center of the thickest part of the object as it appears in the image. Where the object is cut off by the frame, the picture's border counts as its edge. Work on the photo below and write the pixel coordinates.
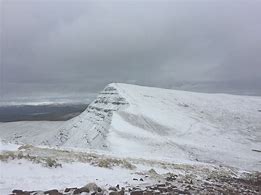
(70, 47)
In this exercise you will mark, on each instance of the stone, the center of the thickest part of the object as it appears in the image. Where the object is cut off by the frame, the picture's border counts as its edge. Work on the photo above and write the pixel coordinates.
(69, 189)
(86, 189)
(17, 191)
(20, 192)
(163, 189)
(148, 193)
(161, 185)
(53, 192)
(77, 191)
(113, 189)
(122, 192)
(140, 192)
(113, 193)
(91, 187)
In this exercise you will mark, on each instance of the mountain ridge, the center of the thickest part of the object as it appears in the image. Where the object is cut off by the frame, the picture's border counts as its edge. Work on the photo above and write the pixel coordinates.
(163, 124)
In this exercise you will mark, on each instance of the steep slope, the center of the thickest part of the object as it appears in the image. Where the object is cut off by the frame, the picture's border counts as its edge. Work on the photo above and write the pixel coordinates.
(163, 124)
(91, 128)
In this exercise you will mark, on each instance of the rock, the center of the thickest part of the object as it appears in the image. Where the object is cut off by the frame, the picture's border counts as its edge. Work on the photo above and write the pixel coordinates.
(77, 191)
(148, 193)
(53, 192)
(20, 192)
(69, 189)
(171, 178)
(140, 192)
(17, 191)
(163, 189)
(136, 188)
(152, 172)
(121, 192)
(113, 193)
(169, 188)
(99, 189)
(113, 189)
(91, 187)
(153, 187)
(85, 189)
(161, 185)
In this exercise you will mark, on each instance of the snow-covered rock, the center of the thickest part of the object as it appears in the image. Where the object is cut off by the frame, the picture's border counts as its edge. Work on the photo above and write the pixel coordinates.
(91, 128)
(176, 126)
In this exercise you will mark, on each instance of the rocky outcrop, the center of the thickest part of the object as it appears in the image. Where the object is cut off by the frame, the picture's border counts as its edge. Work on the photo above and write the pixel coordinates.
(180, 184)
(90, 128)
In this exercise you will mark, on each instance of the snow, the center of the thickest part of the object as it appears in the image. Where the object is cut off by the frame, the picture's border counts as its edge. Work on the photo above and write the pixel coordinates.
(21, 174)
(8, 147)
(152, 123)
(29, 132)
(26, 175)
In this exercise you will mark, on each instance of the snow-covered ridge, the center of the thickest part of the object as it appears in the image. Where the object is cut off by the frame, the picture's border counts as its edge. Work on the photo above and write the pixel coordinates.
(91, 127)
(171, 125)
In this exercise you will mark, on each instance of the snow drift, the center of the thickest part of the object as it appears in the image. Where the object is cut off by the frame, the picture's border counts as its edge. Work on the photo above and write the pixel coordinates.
(163, 124)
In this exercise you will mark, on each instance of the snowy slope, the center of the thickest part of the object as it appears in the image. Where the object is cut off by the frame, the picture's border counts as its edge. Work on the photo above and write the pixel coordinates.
(170, 125)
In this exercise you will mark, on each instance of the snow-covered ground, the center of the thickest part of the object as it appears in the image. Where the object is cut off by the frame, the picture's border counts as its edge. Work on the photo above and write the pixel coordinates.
(150, 127)
(153, 123)
(31, 168)
(18, 171)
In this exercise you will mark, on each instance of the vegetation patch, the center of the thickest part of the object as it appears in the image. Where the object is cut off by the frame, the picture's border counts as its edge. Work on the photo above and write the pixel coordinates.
(12, 155)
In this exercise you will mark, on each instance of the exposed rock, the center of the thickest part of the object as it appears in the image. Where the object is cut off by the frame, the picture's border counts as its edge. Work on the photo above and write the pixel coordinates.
(140, 192)
(148, 192)
(17, 191)
(113, 193)
(113, 188)
(53, 192)
(91, 187)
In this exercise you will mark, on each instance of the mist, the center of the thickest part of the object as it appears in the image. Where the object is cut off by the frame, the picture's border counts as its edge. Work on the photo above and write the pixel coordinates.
(74, 48)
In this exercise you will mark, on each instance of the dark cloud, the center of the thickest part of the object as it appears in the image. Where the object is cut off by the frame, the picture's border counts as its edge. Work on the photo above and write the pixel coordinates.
(75, 46)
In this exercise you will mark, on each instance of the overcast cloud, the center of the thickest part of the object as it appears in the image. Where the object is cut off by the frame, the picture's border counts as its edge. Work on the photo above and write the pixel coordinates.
(73, 47)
